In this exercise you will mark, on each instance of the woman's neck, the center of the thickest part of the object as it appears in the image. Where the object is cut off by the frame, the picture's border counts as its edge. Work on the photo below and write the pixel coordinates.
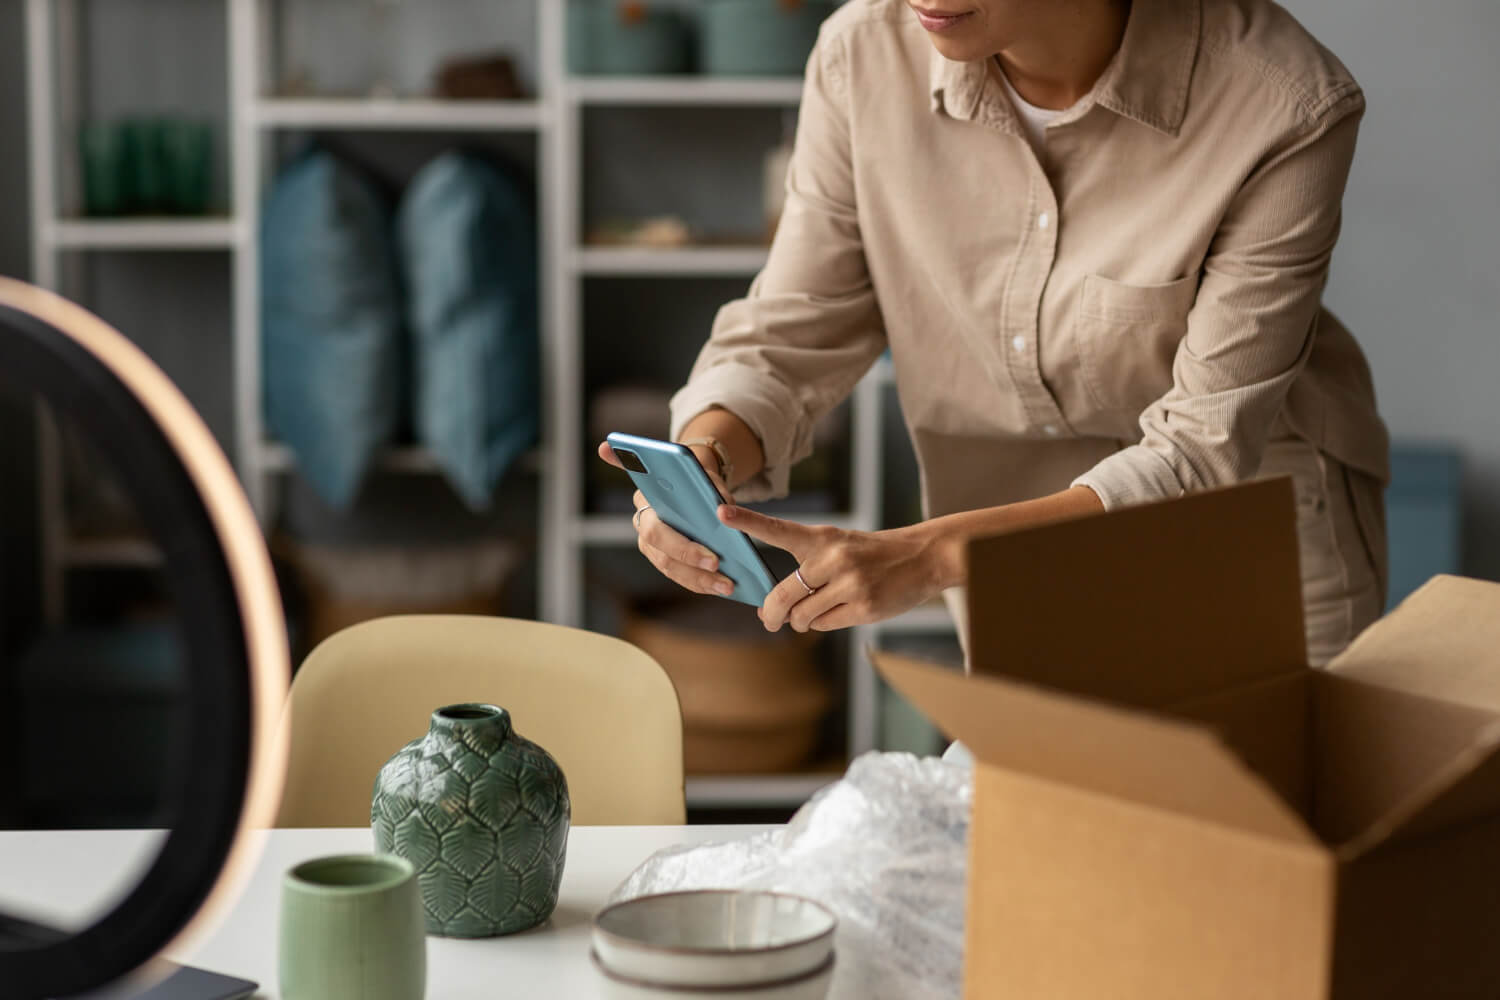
(1061, 60)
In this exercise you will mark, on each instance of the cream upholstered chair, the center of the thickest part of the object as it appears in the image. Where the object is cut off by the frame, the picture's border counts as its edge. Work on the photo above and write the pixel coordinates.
(605, 709)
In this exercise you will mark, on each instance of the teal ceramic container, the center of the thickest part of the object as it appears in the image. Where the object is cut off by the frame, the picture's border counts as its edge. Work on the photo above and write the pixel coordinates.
(482, 815)
(760, 37)
(351, 929)
(617, 38)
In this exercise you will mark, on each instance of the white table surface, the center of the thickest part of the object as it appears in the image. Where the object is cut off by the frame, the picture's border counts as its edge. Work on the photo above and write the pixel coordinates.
(551, 961)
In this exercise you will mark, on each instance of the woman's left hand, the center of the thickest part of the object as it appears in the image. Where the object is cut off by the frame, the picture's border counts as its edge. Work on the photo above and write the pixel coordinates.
(857, 577)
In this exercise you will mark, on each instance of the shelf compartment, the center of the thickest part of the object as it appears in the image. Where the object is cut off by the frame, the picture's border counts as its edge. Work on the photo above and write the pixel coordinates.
(686, 262)
(684, 161)
(146, 233)
(399, 114)
(687, 90)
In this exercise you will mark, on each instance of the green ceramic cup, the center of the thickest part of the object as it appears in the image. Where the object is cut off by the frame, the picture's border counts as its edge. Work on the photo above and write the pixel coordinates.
(351, 929)
(187, 149)
(145, 167)
(101, 150)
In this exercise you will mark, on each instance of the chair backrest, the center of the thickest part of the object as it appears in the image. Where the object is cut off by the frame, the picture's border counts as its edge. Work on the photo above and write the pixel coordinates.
(605, 709)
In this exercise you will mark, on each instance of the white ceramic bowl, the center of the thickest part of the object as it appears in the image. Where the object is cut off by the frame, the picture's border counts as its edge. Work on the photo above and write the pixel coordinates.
(807, 986)
(714, 938)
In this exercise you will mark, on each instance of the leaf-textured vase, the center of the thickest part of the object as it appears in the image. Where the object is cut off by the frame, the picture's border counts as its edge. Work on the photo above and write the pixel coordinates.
(482, 814)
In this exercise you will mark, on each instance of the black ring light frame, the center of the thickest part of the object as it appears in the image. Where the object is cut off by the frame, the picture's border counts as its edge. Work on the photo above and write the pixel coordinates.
(228, 780)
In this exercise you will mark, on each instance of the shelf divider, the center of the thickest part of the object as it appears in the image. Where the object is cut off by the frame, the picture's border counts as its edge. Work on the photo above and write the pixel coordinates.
(403, 114)
(163, 233)
(668, 262)
(686, 91)
(277, 458)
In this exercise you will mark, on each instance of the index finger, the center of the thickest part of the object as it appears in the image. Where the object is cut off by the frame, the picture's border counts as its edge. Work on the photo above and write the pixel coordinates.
(794, 537)
(608, 454)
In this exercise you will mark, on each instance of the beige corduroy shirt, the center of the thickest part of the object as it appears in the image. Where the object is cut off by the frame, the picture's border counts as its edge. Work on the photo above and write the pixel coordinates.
(1137, 308)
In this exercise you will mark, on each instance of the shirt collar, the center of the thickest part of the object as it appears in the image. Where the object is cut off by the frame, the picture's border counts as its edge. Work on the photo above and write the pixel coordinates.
(1146, 81)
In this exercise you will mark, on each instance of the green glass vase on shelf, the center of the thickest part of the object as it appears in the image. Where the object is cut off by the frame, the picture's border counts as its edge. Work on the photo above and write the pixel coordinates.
(482, 814)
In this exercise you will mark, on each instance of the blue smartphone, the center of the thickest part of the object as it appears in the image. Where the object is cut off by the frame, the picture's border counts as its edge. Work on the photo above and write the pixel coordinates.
(683, 496)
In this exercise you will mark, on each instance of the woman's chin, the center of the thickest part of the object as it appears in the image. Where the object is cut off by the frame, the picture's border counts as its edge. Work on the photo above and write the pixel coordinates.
(958, 48)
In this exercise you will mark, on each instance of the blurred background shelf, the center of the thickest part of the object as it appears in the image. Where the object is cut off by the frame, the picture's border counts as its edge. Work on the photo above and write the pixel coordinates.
(412, 459)
(142, 234)
(690, 261)
(926, 618)
(686, 90)
(403, 113)
(617, 529)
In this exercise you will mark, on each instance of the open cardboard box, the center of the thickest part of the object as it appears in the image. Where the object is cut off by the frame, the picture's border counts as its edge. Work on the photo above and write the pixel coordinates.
(1169, 803)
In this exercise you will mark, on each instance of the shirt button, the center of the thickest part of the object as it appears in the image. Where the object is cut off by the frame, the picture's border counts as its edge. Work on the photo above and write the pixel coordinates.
(1050, 430)
(1044, 220)
(1019, 343)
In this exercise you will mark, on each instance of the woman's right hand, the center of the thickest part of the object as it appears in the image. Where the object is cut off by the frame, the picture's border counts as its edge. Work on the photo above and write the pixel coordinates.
(681, 560)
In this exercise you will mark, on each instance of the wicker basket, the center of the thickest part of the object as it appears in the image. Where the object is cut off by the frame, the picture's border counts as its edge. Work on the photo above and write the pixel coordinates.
(752, 702)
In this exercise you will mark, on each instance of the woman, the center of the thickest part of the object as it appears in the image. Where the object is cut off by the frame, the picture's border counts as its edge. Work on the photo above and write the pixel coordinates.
(1094, 236)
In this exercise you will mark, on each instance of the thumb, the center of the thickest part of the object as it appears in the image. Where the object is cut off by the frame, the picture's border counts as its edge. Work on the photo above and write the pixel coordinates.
(789, 535)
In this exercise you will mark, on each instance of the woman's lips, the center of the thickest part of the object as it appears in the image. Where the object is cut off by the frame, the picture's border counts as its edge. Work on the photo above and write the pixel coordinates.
(937, 20)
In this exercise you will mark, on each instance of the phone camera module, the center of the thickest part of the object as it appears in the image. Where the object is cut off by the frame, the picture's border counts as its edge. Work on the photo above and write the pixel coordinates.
(630, 460)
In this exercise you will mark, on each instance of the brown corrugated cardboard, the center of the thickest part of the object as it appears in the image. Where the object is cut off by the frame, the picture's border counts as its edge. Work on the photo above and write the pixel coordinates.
(1169, 803)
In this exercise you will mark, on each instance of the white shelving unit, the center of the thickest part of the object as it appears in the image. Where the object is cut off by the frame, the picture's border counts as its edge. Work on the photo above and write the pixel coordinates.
(685, 91)
(400, 115)
(554, 117)
(141, 234)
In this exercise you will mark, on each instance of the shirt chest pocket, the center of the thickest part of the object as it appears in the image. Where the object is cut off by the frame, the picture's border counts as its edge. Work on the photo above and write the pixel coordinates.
(1128, 336)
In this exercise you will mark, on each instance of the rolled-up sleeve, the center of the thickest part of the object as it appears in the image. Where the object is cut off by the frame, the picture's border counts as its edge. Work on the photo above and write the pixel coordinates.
(809, 328)
(1252, 325)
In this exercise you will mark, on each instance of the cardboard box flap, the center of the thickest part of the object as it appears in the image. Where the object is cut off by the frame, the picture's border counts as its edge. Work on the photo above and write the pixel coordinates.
(1380, 756)
(1144, 606)
(1465, 788)
(1442, 642)
(1130, 755)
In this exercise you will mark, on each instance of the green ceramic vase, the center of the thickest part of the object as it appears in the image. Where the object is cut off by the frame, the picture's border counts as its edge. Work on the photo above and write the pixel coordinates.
(482, 814)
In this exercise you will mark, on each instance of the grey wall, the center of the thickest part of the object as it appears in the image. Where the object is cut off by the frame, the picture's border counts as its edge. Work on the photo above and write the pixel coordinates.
(15, 219)
(1415, 272)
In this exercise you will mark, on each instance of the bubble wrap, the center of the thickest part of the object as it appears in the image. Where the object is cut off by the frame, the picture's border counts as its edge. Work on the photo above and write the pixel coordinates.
(884, 848)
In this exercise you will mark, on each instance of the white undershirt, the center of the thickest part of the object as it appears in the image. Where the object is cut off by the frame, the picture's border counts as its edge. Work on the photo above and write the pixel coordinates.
(1033, 119)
